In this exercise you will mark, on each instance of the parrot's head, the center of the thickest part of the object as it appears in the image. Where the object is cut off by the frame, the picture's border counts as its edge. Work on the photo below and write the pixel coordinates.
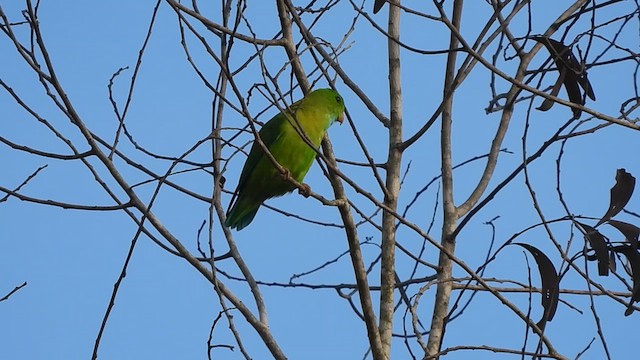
(338, 106)
(329, 102)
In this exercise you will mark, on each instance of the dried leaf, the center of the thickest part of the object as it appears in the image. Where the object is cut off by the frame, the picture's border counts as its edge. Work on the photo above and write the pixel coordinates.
(599, 246)
(575, 96)
(548, 103)
(630, 231)
(634, 259)
(612, 261)
(563, 53)
(571, 71)
(377, 5)
(620, 194)
(550, 283)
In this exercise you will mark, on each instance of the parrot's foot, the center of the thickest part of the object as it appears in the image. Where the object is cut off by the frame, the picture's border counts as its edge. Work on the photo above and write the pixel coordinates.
(305, 190)
(286, 174)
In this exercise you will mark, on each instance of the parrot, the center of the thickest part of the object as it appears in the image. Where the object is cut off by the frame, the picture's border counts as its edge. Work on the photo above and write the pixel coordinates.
(260, 179)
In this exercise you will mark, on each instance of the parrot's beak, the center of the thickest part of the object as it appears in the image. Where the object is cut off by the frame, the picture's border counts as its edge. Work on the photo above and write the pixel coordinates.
(341, 118)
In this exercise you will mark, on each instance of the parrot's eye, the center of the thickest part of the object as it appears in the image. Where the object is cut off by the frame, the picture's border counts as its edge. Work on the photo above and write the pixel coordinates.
(338, 99)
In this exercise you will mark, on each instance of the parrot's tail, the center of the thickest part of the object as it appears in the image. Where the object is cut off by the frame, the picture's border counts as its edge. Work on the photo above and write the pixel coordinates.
(241, 214)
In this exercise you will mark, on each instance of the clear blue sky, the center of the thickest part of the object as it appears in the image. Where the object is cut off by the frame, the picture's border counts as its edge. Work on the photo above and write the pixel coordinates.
(165, 309)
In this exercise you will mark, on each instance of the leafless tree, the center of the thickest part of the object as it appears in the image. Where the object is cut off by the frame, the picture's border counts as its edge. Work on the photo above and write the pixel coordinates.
(471, 152)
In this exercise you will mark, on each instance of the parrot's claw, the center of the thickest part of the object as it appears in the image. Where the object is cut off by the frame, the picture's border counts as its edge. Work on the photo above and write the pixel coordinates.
(285, 173)
(305, 190)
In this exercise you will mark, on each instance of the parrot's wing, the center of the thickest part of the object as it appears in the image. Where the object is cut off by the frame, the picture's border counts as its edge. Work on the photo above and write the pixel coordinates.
(269, 134)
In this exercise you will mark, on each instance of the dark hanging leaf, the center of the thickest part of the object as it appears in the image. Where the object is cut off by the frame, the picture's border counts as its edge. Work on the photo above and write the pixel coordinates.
(630, 231)
(572, 74)
(620, 194)
(377, 5)
(599, 246)
(548, 103)
(550, 283)
(562, 53)
(592, 257)
(634, 259)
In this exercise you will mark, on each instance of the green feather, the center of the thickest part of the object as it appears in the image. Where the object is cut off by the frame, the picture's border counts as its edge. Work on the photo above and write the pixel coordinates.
(260, 180)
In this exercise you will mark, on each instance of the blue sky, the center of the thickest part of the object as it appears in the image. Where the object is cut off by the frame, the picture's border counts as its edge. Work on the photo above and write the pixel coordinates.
(165, 309)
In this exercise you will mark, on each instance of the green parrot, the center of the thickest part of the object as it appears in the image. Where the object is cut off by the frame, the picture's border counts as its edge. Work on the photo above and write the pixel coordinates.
(260, 180)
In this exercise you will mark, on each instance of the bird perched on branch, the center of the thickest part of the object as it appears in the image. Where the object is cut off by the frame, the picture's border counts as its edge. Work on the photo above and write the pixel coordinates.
(292, 137)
